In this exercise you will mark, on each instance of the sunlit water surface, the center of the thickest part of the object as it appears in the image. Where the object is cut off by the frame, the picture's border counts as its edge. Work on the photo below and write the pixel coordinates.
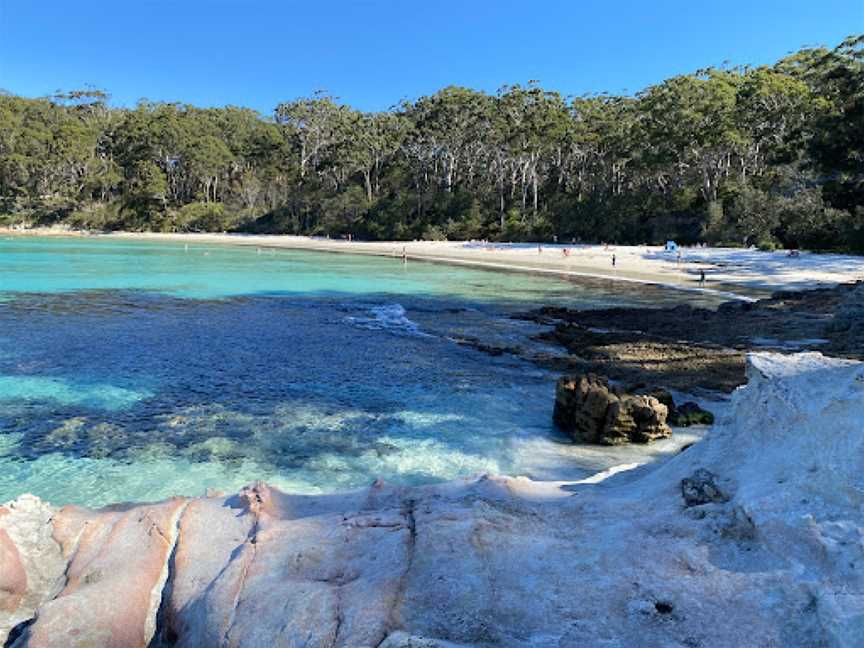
(136, 371)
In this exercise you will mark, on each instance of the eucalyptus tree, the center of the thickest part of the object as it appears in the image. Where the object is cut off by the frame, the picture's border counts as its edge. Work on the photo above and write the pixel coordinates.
(837, 146)
(372, 142)
(691, 126)
(535, 122)
(312, 125)
(774, 110)
(447, 128)
(772, 155)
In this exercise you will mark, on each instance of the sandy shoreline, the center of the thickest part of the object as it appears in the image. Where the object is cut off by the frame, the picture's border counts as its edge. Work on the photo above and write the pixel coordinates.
(735, 272)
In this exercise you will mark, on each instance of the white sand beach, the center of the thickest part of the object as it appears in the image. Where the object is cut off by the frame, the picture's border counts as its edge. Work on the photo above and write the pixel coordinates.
(738, 271)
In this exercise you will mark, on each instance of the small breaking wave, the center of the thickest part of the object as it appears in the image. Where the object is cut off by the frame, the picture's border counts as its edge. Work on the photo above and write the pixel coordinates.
(386, 317)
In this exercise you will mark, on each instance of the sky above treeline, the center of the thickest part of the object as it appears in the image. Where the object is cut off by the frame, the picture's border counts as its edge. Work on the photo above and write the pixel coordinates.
(374, 53)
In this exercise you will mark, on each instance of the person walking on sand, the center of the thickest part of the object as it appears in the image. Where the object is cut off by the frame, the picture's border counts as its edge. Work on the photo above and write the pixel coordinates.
(701, 277)
(404, 255)
(613, 260)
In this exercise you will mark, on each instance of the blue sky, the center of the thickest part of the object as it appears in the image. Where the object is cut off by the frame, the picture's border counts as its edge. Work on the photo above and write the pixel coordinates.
(372, 53)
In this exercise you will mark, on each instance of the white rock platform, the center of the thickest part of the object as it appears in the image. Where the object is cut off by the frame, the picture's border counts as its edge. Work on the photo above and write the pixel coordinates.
(769, 553)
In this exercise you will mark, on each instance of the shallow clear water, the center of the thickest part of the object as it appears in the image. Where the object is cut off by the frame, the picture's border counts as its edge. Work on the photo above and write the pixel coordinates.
(135, 371)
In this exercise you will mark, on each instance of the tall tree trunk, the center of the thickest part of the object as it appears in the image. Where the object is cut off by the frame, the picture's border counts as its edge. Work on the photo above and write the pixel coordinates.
(534, 187)
(367, 180)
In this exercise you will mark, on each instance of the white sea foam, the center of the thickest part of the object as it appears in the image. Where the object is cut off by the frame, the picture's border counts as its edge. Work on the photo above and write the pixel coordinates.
(386, 317)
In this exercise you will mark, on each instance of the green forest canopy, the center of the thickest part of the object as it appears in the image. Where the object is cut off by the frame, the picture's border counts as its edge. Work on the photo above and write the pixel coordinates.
(770, 155)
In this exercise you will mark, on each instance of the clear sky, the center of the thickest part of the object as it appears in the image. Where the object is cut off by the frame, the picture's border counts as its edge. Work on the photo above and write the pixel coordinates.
(372, 53)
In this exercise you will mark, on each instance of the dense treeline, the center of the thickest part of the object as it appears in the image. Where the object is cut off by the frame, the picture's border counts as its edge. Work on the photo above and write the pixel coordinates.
(767, 155)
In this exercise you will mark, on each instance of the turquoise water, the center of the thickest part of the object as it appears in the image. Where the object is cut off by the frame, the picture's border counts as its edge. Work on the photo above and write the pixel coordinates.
(136, 371)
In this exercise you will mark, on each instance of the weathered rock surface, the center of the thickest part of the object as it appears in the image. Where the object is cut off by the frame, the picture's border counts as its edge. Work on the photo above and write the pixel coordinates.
(702, 488)
(683, 415)
(118, 562)
(31, 562)
(845, 329)
(850, 310)
(764, 546)
(687, 348)
(589, 409)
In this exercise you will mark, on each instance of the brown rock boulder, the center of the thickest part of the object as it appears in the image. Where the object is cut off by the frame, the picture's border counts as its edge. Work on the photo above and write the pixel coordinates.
(589, 409)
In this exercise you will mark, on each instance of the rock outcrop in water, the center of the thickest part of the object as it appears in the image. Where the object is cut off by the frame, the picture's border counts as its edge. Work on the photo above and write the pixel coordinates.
(752, 537)
(845, 327)
(589, 409)
(688, 349)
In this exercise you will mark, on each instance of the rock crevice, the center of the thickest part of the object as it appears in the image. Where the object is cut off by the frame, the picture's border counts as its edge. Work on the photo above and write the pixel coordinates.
(155, 628)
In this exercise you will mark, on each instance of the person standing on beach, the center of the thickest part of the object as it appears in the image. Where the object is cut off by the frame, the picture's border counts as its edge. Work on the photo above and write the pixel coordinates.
(613, 260)
(701, 277)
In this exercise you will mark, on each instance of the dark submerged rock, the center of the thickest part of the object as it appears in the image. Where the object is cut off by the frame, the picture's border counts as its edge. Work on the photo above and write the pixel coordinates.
(690, 413)
(689, 348)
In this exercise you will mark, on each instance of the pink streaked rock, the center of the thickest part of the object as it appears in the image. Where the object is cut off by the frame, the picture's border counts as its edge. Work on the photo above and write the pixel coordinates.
(13, 577)
(118, 562)
(618, 560)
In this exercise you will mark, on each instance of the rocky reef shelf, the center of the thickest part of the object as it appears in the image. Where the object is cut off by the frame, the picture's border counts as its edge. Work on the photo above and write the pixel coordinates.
(752, 537)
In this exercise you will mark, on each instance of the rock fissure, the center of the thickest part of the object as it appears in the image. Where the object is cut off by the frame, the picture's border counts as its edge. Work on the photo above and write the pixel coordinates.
(249, 551)
(161, 634)
(76, 544)
(339, 617)
(17, 632)
(339, 580)
(393, 621)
